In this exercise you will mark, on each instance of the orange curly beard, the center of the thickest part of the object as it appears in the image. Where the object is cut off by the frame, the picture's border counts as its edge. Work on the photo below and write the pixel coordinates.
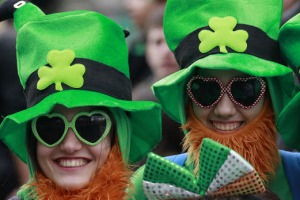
(256, 142)
(110, 182)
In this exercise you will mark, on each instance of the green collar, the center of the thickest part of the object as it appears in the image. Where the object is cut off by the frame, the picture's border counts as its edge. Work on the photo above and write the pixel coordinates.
(279, 185)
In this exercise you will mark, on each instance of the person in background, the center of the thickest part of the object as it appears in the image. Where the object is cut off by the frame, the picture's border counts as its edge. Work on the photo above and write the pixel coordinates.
(139, 11)
(162, 63)
(81, 132)
(290, 9)
(231, 87)
(13, 172)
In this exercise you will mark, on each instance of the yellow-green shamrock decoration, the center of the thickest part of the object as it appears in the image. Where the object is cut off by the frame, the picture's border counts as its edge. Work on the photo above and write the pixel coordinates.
(61, 71)
(223, 36)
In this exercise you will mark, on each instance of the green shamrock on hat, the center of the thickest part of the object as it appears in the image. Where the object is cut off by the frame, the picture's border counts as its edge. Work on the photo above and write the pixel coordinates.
(223, 36)
(61, 71)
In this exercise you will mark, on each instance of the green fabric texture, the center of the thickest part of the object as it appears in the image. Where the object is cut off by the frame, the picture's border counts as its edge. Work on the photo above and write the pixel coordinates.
(195, 14)
(288, 120)
(137, 192)
(290, 43)
(84, 32)
(288, 123)
(57, 39)
(222, 17)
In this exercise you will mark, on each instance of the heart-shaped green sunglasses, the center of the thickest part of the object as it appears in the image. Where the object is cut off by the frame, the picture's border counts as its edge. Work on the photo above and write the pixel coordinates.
(89, 127)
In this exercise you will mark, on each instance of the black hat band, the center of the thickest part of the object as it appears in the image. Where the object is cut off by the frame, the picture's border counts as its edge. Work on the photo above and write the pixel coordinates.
(98, 77)
(259, 44)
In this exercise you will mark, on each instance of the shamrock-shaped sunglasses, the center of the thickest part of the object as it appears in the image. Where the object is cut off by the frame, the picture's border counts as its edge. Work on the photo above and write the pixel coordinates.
(245, 92)
(89, 127)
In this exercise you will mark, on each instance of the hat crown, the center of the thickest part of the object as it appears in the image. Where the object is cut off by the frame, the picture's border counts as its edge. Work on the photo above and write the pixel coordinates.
(28, 13)
(193, 14)
(89, 34)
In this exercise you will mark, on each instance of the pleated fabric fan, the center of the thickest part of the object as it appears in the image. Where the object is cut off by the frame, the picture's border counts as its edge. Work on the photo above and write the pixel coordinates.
(222, 172)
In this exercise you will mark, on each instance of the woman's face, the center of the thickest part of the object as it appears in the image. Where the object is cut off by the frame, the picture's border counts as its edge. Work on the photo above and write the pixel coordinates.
(72, 163)
(160, 58)
(225, 117)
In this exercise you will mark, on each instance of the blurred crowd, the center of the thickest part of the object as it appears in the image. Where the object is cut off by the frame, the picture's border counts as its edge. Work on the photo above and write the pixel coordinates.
(149, 59)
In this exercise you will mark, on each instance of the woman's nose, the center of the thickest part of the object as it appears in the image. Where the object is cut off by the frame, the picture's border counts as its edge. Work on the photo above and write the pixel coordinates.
(71, 143)
(225, 108)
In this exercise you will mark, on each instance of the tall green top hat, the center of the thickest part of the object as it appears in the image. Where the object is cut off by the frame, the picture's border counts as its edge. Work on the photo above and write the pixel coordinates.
(288, 120)
(76, 58)
(225, 35)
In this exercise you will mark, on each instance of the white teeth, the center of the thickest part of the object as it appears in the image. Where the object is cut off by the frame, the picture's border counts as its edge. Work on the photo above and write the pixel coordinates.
(72, 163)
(226, 126)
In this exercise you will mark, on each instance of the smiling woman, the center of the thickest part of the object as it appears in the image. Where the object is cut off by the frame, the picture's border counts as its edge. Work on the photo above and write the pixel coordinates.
(71, 154)
(81, 132)
(228, 89)
(226, 108)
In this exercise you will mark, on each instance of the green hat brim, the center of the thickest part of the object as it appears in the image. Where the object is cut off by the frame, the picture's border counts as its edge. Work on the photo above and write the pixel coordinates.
(288, 124)
(169, 91)
(289, 42)
(145, 119)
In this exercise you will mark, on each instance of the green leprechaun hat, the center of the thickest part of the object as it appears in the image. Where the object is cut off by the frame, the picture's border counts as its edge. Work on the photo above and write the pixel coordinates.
(226, 35)
(76, 58)
(288, 120)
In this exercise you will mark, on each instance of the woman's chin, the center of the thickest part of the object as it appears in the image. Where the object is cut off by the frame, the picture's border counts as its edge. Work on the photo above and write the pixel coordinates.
(72, 186)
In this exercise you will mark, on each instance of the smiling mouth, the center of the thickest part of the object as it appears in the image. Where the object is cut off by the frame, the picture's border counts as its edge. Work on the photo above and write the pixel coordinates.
(232, 126)
(72, 162)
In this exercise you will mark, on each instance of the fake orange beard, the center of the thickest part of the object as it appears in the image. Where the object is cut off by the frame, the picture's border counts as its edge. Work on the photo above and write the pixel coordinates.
(110, 182)
(256, 142)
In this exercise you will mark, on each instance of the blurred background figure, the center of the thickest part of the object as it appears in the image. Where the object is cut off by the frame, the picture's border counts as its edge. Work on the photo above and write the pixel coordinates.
(161, 62)
(290, 9)
(138, 11)
(112, 8)
(160, 59)
(13, 172)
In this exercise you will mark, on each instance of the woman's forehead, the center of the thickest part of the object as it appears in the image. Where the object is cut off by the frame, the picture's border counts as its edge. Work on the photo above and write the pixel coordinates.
(63, 110)
(221, 73)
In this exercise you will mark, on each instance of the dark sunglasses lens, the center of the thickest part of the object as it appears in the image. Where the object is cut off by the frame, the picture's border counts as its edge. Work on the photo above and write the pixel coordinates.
(50, 130)
(91, 128)
(205, 92)
(246, 92)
